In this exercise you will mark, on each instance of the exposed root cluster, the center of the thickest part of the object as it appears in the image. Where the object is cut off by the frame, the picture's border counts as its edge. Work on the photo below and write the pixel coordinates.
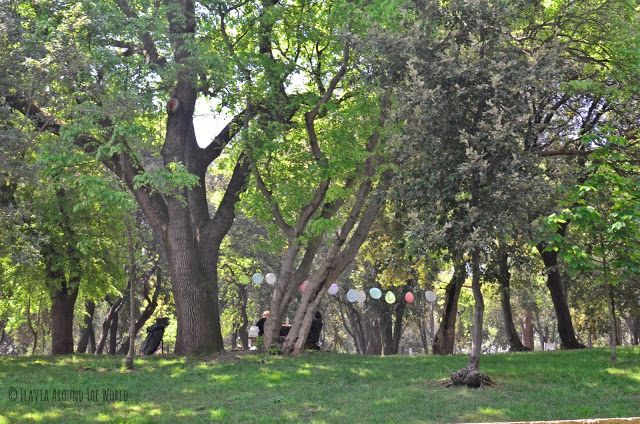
(472, 379)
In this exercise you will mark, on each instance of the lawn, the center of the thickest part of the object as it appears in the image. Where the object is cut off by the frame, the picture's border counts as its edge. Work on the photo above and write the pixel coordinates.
(318, 387)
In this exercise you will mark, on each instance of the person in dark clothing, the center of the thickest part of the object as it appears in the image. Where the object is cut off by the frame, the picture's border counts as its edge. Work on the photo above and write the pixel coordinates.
(154, 336)
(314, 332)
(261, 321)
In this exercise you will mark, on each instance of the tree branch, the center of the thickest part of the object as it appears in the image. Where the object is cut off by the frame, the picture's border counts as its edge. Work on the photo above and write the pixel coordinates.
(150, 51)
(124, 167)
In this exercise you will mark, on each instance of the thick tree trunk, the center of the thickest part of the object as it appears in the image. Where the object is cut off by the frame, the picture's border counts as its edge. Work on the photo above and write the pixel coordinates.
(566, 331)
(445, 336)
(478, 314)
(62, 306)
(504, 278)
(87, 329)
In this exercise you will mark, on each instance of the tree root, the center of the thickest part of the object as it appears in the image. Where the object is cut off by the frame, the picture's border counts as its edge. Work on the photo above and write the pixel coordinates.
(472, 379)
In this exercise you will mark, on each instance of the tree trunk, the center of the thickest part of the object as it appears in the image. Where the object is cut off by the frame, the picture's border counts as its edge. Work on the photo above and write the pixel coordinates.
(504, 277)
(242, 331)
(113, 333)
(87, 330)
(445, 336)
(92, 341)
(566, 331)
(424, 334)
(34, 331)
(350, 327)
(106, 324)
(527, 331)
(386, 329)
(543, 332)
(148, 311)
(613, 333)
(345, 245)
(62, 307)
(132, 295)
(373, 337)
(634, 329)
(398, 320)
(478, 315)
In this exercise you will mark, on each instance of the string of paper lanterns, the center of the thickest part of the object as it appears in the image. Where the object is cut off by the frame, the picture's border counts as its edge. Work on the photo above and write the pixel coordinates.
(352, 295)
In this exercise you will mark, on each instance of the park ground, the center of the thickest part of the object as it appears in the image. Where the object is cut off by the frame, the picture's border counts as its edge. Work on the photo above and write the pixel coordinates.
(318, 387)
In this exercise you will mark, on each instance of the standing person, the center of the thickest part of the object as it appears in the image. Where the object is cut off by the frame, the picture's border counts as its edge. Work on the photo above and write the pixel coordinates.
(261, 321)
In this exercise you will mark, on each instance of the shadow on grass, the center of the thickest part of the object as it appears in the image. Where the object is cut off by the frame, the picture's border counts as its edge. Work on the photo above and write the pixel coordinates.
(325, 387)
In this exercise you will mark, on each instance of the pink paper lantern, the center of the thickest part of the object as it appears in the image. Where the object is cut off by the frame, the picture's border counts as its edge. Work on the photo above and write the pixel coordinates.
(304, 286)
(409, 297)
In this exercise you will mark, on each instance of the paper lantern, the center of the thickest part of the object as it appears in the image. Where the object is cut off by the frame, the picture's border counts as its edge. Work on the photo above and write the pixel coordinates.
(390, 297)
(408, 297)
(304, 286)
(270, 278)
(352, 295)
(375, 293)
(333, 289)
(244, 280)
(257, 278)
(430, 296)
(362, 296)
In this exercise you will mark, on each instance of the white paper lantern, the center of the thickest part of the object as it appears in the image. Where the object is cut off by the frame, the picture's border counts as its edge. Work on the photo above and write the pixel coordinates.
(362, 296)
(270, 278)
(430, 296)
(333, 289)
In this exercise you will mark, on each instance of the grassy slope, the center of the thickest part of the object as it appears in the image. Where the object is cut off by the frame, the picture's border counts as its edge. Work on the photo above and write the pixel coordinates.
(326, 387)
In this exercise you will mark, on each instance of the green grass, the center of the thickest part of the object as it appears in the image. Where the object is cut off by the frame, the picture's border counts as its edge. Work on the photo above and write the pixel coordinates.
(325, 387)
